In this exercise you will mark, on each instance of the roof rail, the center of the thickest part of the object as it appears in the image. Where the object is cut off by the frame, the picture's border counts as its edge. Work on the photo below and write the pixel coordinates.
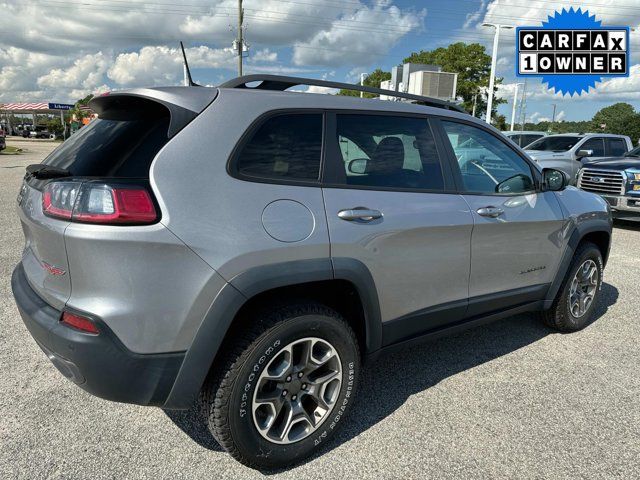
(281, 82)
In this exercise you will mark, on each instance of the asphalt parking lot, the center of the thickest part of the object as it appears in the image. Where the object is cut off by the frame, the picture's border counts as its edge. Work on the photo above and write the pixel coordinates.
(508, 400)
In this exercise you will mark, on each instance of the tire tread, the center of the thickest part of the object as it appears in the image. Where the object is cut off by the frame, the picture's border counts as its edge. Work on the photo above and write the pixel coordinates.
(216, 393)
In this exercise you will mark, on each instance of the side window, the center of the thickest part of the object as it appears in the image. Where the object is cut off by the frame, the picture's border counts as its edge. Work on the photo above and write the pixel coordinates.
(389, 151)
(286, 147)
(596, 144)
(527, 139)
(617, 147)
(486, 163)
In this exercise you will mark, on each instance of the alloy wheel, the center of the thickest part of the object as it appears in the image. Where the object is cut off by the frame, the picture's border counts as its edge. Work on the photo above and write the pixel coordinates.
(297, 390)
(583, 288)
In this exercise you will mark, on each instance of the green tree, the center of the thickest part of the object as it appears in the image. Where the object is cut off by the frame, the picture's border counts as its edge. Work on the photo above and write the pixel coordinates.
(619, 118)
(76, 112)
(54, 126)
(473, 66)
(500, 122)
(371, 80)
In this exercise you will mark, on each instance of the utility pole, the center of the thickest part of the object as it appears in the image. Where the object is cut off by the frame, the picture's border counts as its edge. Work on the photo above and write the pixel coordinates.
(553, 117)
(513, 108)
(362, 77)
(240, 41)
(494, 59)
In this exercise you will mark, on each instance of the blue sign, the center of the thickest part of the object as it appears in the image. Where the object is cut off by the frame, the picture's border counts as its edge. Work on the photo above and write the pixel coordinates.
(60, 106)
(572, 51)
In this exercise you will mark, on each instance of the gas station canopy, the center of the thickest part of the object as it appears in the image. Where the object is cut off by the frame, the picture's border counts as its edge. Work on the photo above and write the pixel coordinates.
(20, 108)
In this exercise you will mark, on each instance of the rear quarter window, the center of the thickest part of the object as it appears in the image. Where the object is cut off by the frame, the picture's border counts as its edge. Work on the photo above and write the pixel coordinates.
(284, 147)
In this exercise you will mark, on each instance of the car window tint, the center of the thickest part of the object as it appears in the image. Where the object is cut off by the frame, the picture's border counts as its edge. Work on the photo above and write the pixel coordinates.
(389, 151)
(617, 147)
(284, 147)
(527, 139)
(560, 143)
(121, 145)
(595, 144)
(487, 164)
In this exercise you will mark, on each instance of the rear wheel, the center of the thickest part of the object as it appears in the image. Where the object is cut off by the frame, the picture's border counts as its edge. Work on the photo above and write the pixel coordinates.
(578, 297)
(284, 390)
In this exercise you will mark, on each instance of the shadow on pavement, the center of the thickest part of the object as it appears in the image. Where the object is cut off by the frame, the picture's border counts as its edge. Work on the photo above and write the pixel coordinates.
(191, 422)
(627, 225)
(400, 375)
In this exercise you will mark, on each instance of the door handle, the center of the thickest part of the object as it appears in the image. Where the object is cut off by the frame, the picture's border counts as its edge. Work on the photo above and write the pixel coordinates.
(359, 213)
(492, 212)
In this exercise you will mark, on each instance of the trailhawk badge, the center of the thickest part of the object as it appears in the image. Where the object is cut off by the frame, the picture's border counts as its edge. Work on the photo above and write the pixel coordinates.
(572, 51)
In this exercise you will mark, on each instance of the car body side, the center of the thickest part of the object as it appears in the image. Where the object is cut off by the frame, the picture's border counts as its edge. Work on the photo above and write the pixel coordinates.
(246, 256)
(179, 285)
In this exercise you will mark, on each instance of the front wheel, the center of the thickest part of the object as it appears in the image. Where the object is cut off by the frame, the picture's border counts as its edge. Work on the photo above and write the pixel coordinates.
(286, 387)
(579, 294)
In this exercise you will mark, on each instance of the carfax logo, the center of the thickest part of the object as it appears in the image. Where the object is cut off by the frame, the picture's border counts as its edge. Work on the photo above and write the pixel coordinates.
(572, 51)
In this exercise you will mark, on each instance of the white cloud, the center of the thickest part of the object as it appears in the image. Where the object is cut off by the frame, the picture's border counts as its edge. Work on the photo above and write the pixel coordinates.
(86, 71)
(380, 27)
(539, 117)
(163, 65)
(55, 52)
(264, 55)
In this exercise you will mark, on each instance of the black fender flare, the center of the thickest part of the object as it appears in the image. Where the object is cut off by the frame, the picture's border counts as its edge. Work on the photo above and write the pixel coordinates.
(578, 233)
(228, 302)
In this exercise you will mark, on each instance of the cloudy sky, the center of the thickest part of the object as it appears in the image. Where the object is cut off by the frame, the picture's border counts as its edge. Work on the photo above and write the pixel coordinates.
(61, 50)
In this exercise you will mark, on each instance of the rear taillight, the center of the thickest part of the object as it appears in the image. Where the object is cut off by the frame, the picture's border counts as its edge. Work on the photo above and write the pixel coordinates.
(79, 322)
(89, 202)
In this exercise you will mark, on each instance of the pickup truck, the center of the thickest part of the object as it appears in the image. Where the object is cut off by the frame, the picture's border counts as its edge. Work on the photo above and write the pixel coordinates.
(569, 152)
(617, 180)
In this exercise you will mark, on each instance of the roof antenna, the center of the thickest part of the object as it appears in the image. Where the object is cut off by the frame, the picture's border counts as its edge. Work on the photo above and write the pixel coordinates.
(188, 81)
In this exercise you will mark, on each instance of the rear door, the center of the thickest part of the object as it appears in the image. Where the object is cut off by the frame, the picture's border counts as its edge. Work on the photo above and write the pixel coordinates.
(390, 205)
(616, 147)
(517, 234)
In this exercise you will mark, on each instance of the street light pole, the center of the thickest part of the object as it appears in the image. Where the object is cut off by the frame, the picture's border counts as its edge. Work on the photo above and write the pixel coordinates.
(494, 59)
(513, 108)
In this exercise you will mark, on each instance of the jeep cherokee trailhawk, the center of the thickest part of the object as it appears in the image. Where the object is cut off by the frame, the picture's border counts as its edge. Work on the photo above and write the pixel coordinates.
(247, 248)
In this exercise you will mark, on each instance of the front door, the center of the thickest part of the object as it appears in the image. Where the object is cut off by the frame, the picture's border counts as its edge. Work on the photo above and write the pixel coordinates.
(387, 207)
(517, 239)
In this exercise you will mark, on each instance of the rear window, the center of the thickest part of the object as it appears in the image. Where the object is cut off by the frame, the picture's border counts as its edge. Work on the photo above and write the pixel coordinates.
(285, 147)
(554, 144)
(121, 143)
(527, 139)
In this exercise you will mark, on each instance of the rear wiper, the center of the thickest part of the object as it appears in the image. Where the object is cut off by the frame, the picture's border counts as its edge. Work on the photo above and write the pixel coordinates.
(40, 171)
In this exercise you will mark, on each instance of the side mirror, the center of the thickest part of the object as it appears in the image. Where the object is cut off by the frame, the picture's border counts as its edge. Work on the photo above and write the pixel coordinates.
(357, 166)
(584, 153)
(554, 180)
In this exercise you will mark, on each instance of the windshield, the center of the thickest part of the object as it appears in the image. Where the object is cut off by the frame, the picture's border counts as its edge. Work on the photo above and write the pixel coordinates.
(554, 144)
(633, 153)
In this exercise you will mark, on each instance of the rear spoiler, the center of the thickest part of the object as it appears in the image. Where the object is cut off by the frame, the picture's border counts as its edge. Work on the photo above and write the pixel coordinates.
(183, 103)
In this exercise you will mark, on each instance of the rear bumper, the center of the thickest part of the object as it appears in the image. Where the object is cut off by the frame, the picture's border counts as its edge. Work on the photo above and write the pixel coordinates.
(99, 364)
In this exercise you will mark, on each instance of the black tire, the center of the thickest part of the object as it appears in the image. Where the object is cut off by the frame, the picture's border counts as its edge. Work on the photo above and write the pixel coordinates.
(227, 396)
(560, 316)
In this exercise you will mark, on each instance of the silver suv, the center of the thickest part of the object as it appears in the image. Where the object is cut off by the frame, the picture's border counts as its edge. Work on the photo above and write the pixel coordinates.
(250, 247)
(570, 151)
